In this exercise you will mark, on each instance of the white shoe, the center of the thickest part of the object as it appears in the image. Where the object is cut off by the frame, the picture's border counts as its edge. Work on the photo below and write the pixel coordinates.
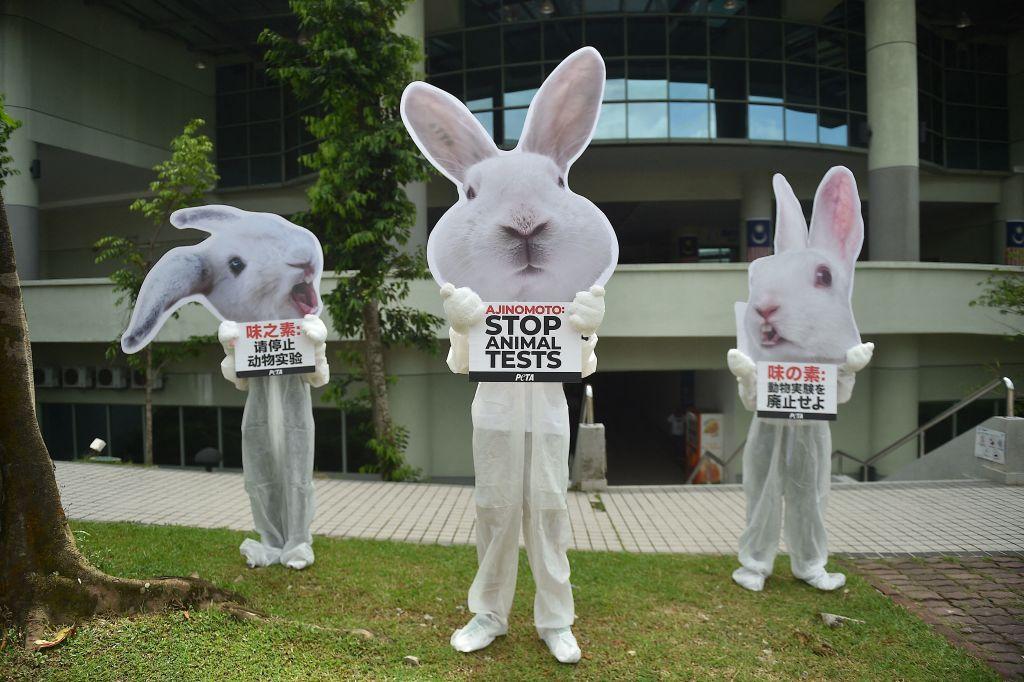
(826, 581)
(257, 554)
(562, 644)
(298, 557)
(478, 633)
(751, 580)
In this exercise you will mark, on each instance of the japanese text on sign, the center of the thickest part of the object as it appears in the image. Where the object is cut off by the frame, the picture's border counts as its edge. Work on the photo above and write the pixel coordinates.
(796, 390)
(273, 348)
(525, 342)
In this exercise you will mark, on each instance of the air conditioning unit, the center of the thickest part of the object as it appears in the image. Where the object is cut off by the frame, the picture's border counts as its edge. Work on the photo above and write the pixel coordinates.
(111, 377)
(138, 379)
(46, 377)
(76, 377)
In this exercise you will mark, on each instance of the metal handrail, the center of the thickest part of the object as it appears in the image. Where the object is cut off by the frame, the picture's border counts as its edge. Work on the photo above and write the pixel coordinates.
(845, 455)
(916, 433)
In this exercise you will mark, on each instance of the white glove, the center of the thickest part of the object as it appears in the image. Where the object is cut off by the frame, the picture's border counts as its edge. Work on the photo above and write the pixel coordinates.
(227, 334)
(858, 357)
(462, 307)
(589, 360)
(586, 312)
(314, 328)
(458, 354)
(745, 371)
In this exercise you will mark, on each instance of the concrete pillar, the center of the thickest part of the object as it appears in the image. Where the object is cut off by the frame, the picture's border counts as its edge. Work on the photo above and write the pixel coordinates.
(21, 199)
(755, 204)
(413, 23)
(894, 388)
(893, 189)
(1011, 204)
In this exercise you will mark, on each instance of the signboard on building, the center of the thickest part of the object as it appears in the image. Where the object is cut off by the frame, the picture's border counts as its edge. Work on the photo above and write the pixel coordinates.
(990, 444)
(1015, 242)
(796, 390)
(525, 342)
(273, 348)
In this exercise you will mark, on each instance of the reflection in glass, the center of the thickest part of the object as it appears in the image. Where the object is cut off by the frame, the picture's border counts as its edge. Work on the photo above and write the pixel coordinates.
(728, 79)
(688, 119)
(801, 125)
(800, 43)
(562, 38)
(514, 120)
(728, 120)
(858, 93)
(444, 52)
(648, 120)
(832, 48)
(483, 89)
(486, 119)
(765, 122)
(832, 128)
(801, 84)
(858, 131)
(961, 154)
(451, 84)
(522, 42)
(765, 39)
(832, 88)
(615, 81)
(765, 82)
(687, 35)
(647, 80)
(521, 84)
(483, 48)
(961, 121)
(646, 36)
(612, 123)
(607, 35)
(727, 37)
(689, 79)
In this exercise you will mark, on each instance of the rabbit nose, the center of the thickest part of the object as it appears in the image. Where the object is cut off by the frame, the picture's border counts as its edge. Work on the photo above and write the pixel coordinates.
(523, 230)
(766, 311)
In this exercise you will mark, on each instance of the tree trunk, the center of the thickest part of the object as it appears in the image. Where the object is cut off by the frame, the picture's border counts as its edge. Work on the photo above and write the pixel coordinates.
(44, 580)
(147, 435)
(376, 375)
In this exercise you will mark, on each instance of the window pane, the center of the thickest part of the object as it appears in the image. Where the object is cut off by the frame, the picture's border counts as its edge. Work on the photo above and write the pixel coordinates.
(646, 36)
(612, 123)
(327, 441)
(961, 121)
(598, 6)
(993, 156)
(615, 81)
(831, 48)
(522, 43)
(231, 428)
(232, 78)
(232, 109)
(483, 89)
(689, 79)
(607, 35)
(561, 38)
(166, 436)
(486, 119)
(990, 57)
(688, 119)
(200, 431)
(858, 93)
(858, 131)
(514, 121)
(832, 128)
(521, 84)
(687, 36)
(960, 87)
(728, 120)
(265, 170)
(90, 422)
(645, 5)
(265, 105)
(992, 90)
(481, 12)
(126, 432)
(765, 122)
(444, 52)
(233, 173)
(962, 154)
(265, 138)
(483, 48)
(765, 82)
(232, 142)
(647, 80)
(728, 79)
(765, 39)
(801, 84)
(727, 37)
(450, 84)
(358, 432)
(832, 88)
(648, 120)
(800, 43)
(57, 434)
(992, 124)
(801, 125)
(856, 52)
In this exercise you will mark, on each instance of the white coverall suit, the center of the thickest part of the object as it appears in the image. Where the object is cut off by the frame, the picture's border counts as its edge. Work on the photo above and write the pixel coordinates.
(277, 453)
(788, 460)
(521, 464)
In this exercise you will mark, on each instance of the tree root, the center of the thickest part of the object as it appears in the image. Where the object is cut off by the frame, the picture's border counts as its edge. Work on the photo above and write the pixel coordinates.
(58, 600)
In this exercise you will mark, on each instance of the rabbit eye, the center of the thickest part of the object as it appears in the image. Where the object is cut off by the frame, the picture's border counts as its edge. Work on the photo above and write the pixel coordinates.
(236, 265)
(470, 193)
(561, 181)
(822, 276)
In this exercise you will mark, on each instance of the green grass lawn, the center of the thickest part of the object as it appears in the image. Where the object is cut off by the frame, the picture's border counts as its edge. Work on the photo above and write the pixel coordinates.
(638, 617)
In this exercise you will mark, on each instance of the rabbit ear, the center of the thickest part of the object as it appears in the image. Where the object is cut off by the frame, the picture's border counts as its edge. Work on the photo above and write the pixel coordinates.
(564, 113)
(182, 272)
(448, 135)
(206, 218)
(836, 223)
(790, 225)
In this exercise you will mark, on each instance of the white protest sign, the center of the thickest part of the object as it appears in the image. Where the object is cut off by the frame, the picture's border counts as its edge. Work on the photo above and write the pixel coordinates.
(990, 444)
(796, 390)
(525, 342)
(273, 348)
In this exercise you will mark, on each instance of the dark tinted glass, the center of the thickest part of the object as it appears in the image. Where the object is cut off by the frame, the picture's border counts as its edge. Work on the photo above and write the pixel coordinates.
(688, 79)
(231, 427)
(562, 38)
(801, 84)
(451, 84)
(991, 57)
(858, 131)
(730, 120)
(991, 90)
(800, 45)
(647, 79)
(856, 52)
(522, 43)
(231, 109)
(765, 39)
(358, 432)
(232, 141)
(961, 121)
(962, 154)
(265, 105)
(521, 84)
(444, 52)
(993, 156)
(166, 436)
(265, 138)
(765, 8)
(858, 93)
(727, 37)
(200, 431)
(831, 49)
(483, 89)
(687, 35)
(231, 78)
(327, 442)
(126, 432)
(960, 87)
(832, 88)
(607, 35)
(56, 427)
(765, 82)
(232, 172)
(646, 36)
(265, 170)
(483, 48)
(728, 80)
(90, 423)
(993, 124)
(833, 128)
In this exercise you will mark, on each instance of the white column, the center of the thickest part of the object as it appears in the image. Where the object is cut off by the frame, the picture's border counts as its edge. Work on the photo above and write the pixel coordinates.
(894, 389)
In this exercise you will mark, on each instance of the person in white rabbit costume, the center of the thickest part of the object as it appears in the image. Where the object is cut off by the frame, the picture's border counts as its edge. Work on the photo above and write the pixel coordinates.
(800, 310)
(253, 266)
(517, 233)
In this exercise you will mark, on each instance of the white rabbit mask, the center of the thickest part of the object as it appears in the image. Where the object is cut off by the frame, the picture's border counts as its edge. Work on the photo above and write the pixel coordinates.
(253, 266)
(517, 233)
(800, 307)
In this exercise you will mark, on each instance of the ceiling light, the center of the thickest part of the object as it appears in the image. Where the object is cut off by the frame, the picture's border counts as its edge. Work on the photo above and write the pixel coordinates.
(964, 21)
(547, 8)
(200, 64)
(729, 5)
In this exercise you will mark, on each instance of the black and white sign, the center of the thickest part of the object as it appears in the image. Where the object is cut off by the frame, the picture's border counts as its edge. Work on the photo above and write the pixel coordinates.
(990, 444)
(796, 390)
(273, 348)
(525, 342)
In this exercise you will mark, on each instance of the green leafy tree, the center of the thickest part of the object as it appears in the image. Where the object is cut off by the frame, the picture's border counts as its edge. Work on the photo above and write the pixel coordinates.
(1004, 291)
(7, 127)
(351, 64)
(181, 181)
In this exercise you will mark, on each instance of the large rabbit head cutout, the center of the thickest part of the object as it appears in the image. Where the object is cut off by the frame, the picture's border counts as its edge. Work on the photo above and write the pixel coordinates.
(517, 232)
(253, 266)
(800, 307)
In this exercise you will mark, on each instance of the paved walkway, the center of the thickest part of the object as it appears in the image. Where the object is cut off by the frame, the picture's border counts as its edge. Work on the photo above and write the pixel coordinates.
(863, 519)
